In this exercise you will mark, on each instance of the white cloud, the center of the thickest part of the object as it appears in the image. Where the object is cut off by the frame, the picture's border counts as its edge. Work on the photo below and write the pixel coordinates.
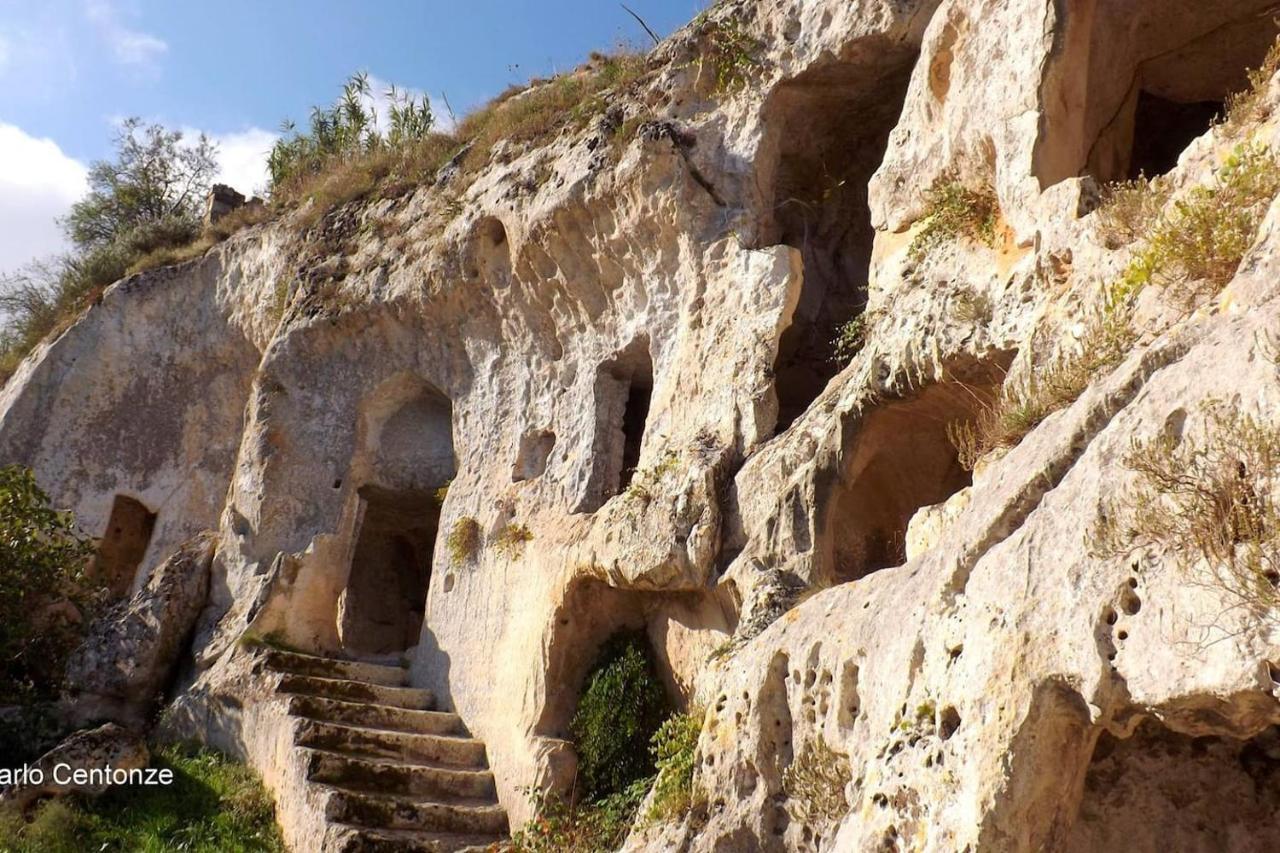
(38, 184)
(128, 46)
(242, 158)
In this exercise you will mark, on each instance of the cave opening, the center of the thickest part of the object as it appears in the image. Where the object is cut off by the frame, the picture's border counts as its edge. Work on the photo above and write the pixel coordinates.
(382, 607)
(1160, 789)
(826, 134)
(623, 395)
(635, 415)
(901, 461)
(124, 544)
(1124, 102)
(1162, 130)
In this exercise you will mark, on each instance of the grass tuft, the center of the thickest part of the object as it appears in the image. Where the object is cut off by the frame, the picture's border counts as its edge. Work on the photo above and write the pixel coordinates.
(214, 806)
(954, 211)
(815, 784)
(1212, 497)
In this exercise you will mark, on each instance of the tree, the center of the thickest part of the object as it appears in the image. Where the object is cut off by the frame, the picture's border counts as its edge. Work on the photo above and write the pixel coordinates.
(154, 179)
(42, 564)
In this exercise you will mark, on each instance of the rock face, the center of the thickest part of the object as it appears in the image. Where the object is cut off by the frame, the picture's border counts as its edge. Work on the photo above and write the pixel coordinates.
(613, 347)
(131, 652)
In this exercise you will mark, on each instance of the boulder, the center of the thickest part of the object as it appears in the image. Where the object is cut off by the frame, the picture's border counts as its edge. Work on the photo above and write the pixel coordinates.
(131, 651)
(108, 747)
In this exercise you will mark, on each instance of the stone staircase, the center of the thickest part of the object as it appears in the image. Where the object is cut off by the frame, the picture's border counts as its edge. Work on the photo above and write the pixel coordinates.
(390, 774)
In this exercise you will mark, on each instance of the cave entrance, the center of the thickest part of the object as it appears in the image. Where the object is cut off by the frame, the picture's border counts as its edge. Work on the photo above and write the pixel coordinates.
(382, 607)
(635, 415)
(902, 460)
(1162, 130)
(1163, 790)
(123, 545)
(826, 134)
(1124, 101)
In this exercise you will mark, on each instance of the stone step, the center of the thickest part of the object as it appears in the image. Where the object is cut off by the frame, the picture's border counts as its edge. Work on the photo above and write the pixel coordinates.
(411, 698)
(390, 811)
(297, 663)
(452, 750)
(376, 716)
(364, 840)
(391, 776)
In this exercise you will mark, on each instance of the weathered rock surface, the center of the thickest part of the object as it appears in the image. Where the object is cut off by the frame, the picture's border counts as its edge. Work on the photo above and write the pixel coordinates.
(108, 746)
(131, 652)
(615, 352)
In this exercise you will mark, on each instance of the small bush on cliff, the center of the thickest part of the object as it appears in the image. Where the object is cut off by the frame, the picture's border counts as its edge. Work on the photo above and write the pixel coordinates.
(213, 806)
(675, 748)
(1212, 497)
(1054, 384)
(1130, 209)
(953, 211)
(1249, 107)
(43, 590)
(815, 784)
(1196, 248)
(622, 706)
(464, 540)
(511, 539)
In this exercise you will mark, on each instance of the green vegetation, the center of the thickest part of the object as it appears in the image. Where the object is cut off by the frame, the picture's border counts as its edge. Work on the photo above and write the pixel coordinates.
(623, 704)
(213, 806)
(1194, 249)
(441, 493)
(1191, 251)
(644, 482)
(954, 211)
(145, 201)
(566, 827)
(729, 52)
(675, 748)
(626, 743)
(1130, 209)
(1019, 407)
(511, 538)
(464, 540)
(42, 573)
(815, 784)
(852, 337)
(1249, 107)
(1211, 496)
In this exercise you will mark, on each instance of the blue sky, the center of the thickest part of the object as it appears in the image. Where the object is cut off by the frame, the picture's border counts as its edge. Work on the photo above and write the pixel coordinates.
(70, 69)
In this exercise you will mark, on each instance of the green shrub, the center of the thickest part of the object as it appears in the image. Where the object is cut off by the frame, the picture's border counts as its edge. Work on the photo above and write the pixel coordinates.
(464, 539)
(564, 827)
(42, 562)
(729, 52)
(953, 211)
(1250, 106)
(213, 806)
(1196, 248)
(622, 705)
(675, 748)
(851, 337)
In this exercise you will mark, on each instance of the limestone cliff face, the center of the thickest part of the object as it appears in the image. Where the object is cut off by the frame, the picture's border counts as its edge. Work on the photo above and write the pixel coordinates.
(615, 350)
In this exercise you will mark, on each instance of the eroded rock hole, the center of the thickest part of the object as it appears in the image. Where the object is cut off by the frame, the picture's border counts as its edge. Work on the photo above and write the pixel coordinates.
(1120, 101)
(382, 608)
(826, 134)
(1163, 790)
(123, 545)
(531, 459)
(900, 461)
